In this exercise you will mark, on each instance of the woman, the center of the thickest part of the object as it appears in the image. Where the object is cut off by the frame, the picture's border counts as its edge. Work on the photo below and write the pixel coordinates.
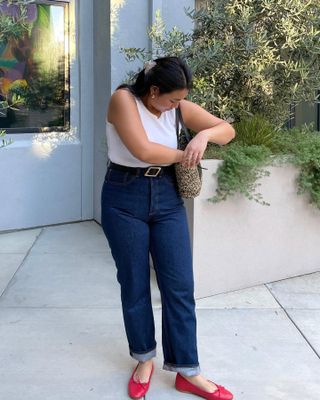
(142, 212)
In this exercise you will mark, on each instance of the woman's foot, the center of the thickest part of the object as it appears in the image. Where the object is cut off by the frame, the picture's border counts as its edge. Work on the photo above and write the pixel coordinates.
(201, 383)
(201, 387)
(140, 380)
(143, 371)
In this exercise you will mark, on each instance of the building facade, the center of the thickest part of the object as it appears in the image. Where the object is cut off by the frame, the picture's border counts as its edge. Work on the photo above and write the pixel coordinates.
(56, 176)
(54, 169)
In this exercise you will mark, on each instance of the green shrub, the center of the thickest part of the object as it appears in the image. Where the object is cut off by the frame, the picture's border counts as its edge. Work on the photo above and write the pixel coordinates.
(243, 166)
(255, 130)
(252, 57)
(304, 147)
(244, 163)
(247, 56)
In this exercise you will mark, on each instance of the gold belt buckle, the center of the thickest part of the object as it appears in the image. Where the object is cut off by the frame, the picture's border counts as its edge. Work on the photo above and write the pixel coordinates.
(149, 173)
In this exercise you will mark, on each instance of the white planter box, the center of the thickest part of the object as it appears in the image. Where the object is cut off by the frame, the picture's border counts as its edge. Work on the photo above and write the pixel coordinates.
(238, 243)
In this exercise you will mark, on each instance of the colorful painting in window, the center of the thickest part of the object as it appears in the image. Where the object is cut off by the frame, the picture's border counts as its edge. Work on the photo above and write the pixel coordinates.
(34, 67)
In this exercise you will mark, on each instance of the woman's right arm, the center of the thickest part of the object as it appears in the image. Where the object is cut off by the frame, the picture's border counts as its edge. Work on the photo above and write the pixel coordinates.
(123, 114)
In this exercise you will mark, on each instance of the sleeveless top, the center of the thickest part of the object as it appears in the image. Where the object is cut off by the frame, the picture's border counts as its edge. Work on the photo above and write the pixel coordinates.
(160, 130)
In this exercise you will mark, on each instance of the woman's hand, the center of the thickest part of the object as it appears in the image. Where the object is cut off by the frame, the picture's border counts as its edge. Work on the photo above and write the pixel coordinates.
(193, 153)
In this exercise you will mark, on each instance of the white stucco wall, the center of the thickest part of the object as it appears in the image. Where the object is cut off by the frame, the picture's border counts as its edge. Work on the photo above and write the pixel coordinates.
(238, 243)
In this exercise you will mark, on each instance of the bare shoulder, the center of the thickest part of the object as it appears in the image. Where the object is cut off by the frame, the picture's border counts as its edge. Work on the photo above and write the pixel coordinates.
(121, 99)
(196, 117)
(123, 114)
(122, 94)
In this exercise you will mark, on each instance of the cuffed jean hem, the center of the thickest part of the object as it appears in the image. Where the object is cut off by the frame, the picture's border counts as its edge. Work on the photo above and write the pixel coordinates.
(184, 370)
(143, 356)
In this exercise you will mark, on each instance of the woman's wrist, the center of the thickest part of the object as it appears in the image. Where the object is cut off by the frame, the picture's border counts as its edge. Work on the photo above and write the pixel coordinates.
(205, 134)
(179, 156)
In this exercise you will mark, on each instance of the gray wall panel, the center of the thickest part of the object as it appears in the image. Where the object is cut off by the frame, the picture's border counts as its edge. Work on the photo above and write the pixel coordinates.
(130, 20)
(174, 15)
(102, 82)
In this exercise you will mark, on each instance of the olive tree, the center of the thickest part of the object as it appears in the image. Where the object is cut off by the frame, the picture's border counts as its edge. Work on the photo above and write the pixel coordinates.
(248, 56)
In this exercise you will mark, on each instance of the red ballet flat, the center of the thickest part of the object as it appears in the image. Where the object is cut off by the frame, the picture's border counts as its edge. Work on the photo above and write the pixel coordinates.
(137, 390)
(183, 385)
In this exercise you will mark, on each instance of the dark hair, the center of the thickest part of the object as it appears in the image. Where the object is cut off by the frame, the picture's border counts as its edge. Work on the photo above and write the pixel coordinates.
(168, 74)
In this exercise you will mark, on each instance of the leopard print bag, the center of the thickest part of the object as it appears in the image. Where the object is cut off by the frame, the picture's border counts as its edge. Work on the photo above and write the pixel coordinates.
(189, 179)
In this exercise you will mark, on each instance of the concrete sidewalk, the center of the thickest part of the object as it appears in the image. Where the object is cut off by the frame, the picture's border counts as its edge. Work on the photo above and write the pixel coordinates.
(62, 335)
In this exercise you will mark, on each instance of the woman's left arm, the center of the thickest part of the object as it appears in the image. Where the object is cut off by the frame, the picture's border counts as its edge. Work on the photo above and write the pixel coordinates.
(208, 128)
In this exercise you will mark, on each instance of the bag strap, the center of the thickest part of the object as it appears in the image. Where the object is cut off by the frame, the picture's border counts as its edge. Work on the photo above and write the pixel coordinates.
(177, 124)
(179, 120)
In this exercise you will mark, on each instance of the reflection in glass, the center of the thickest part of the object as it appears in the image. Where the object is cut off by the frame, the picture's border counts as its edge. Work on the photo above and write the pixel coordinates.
(34, 67)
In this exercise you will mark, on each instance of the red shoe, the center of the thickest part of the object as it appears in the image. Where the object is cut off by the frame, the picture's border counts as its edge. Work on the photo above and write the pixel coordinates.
(185, 386)
(137, 390)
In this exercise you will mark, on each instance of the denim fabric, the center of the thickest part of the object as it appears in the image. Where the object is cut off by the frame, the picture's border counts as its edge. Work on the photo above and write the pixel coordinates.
(140, 215)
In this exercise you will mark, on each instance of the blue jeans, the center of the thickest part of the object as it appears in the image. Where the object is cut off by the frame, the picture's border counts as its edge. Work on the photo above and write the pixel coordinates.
(142, 215)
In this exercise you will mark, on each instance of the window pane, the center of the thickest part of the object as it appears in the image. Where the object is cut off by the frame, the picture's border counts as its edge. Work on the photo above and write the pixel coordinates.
(34, 67)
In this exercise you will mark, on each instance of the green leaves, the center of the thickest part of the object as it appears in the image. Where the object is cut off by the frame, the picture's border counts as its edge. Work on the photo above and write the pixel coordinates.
(304, 146)
(257, 145)
(14, 27)
(255, 131)
(245, 159)
(266, 53)
(4, 142)
(174, 43)
(240, 172)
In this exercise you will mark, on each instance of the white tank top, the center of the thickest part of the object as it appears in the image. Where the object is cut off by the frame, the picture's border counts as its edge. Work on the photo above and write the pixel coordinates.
(160, 130)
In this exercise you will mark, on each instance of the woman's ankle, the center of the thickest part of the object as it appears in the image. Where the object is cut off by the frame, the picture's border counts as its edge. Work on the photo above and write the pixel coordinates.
(146, 362)
(189, 377)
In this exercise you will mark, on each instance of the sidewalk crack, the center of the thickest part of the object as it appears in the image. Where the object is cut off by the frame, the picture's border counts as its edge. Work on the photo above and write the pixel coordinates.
(293, 322)
(21, 264)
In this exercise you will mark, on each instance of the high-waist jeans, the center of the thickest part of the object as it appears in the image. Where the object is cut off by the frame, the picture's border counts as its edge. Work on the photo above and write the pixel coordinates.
(142, 215)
